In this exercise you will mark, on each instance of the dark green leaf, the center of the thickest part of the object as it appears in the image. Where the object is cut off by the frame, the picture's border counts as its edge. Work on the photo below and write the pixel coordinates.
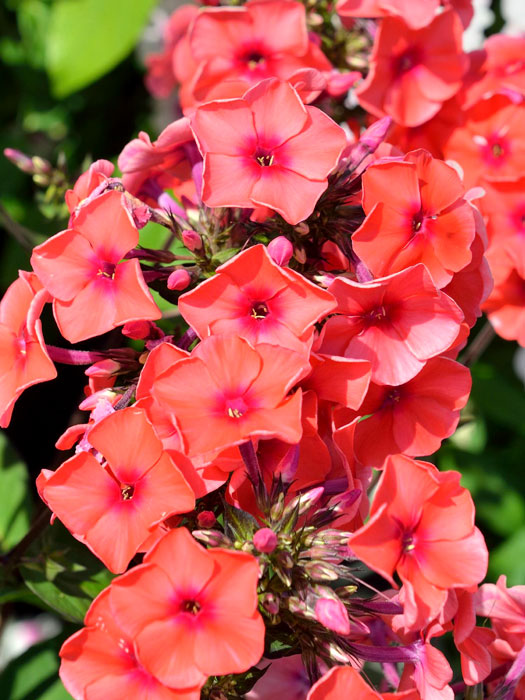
(34, 674)
(63, 573)
(15, 500)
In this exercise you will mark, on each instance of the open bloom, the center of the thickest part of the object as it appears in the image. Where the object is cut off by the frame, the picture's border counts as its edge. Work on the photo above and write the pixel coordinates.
(412, 72)
(81, 268)
(490, 142)
(412, 418)
(422, 526)
(236, 47)
(24, 360)
(100, 661)
(229, 391)
(266, 149)
(397, 323)
(148, 168)
(113, 507)
(251, 296)
(416, 212)
(192, 612)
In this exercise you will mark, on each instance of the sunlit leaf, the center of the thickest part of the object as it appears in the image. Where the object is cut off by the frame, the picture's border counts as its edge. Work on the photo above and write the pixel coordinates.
(87, 38)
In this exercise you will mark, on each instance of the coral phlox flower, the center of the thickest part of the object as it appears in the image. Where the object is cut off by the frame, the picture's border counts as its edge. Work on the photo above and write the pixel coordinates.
(416, 15)
(504, 208)
(192, 612)
(490, 141)
(100, 661)
(397, 323)
(505, 307)
(412, 72)
(266, 149)
(506, 609)
(161, 78)
(411, 418)
(149, 167)
(416, 212)
(342, 682)
(235, 390)
(422, 526)
(81, 269)
(502, 68)
(24, 360)
(96, 175)
(254, 298)
(112, 507)
(237, 47)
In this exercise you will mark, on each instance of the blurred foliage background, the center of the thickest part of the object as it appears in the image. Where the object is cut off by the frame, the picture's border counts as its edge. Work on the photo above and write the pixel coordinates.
(72, 92)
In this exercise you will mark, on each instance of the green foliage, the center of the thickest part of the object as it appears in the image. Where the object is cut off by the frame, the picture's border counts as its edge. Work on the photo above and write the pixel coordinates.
(15, 502)
(87, 38)
(63, 573)
(33, 675)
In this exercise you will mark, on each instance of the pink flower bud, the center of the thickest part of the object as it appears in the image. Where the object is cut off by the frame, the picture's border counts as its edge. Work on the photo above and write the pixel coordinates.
(206, 519)
(332, 614)
(280, 250)
(104, 368)
(265, 540)
(139, 330)
(179, 280)
(191, 240)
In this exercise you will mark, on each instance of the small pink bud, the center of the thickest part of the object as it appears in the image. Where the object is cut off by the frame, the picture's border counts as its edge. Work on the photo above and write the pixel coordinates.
(332, 614)
(265, 540)
(280, 250)
(179, 280)
(140, 330)
(191, 240)
(25, 163)
(104, 368)
(206, 519)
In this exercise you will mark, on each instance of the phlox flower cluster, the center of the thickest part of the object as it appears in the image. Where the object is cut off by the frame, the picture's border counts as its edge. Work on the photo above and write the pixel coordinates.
(252, 472)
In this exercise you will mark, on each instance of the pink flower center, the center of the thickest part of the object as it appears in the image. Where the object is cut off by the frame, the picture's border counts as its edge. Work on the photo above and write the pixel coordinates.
(190, 606)
(264, 157)
(375, 316)
(518, 219)
(236, 408)
(495, 150)
(252, 56)
(406, 61)
(127, 491)
(407, 543)
(106, 269)
(259, 310)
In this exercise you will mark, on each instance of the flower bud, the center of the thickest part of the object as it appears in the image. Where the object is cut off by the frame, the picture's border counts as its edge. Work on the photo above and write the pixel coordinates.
(206, 519)
(321, 571)
(280, 250)
(271, 603)
(332, 614)
(104, 368)
(213, 538)
(23, 162)
(265, 540)
(191, 240)
(179, 279)
(140, 330)
(302, 229)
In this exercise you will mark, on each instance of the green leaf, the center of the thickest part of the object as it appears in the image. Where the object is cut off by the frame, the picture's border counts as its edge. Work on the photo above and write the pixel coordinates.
(87, 38)
(34, 674)
(15, 501)
(63, 573)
